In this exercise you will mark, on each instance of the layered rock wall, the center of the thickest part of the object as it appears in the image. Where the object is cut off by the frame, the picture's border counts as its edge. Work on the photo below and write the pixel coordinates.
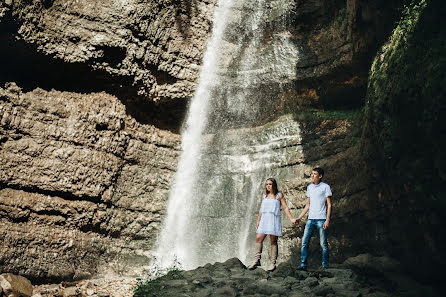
(154, 47)
(83, 184)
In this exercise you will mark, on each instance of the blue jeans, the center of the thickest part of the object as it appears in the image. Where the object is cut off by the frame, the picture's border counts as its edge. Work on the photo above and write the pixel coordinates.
(322, 239)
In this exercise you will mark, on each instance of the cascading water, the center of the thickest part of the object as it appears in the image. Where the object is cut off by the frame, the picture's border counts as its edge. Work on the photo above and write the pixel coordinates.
(225, 158)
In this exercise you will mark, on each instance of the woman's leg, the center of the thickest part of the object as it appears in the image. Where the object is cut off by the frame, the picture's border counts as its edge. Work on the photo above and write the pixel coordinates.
(260, 237)
(273, 239)
(274, 252)
(259, 246)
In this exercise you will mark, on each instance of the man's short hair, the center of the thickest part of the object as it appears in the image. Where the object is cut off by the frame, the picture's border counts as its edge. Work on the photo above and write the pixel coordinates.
(319, 170)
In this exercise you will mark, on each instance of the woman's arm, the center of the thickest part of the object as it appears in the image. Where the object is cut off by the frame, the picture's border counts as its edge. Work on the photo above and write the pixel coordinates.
(258, 220)
(286, 209)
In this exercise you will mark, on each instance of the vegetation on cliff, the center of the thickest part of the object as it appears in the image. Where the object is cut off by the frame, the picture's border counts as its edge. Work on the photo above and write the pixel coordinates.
(405, 99)
(404, 124)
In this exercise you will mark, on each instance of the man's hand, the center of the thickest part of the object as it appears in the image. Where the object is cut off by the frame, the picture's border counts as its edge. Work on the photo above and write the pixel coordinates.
(293, 222)
(296, 221)
(326, 224)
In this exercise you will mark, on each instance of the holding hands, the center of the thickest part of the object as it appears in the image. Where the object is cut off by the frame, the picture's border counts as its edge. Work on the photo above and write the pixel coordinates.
(295, 221)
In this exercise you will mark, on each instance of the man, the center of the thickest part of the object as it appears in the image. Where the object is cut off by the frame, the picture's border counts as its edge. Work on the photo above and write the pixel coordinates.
(319, 207)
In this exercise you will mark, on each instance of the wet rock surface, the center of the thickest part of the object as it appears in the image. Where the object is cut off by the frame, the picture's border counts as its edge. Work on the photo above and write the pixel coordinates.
(231, 278)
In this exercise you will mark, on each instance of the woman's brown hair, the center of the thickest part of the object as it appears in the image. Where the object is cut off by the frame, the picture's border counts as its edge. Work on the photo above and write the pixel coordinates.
(275, 190)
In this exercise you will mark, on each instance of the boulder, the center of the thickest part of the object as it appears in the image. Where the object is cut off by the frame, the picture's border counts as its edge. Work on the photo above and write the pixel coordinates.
(15, 285)
(369, 263)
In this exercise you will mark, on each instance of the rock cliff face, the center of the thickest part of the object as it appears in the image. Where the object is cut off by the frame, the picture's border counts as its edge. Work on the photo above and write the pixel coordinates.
(94, 95)
(149, 48)
(405, 128)
(83, 184)
(153, 49)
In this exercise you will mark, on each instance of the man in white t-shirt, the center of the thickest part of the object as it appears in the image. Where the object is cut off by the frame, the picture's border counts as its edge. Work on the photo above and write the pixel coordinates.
(319, 207)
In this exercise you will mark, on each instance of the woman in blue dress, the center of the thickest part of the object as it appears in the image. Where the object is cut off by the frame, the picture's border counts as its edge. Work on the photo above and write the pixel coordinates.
(268, 222)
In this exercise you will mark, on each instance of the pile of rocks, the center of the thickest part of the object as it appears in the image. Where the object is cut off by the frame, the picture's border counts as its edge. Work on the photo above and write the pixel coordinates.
(103, 287)
(231, 278)
(361, 276)
(15, 286)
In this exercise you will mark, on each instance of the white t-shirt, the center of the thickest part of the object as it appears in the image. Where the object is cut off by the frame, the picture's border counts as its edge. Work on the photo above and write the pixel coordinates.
(318, 194)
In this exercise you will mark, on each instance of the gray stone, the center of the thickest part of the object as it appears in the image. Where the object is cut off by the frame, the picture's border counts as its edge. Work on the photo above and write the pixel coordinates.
(258, 273)
(269, 288)
(204, 292)
(310, 281)
(296, 293)
(290, 280)
(177, 283)
(225, 291)
(323, 290)
(372, 264)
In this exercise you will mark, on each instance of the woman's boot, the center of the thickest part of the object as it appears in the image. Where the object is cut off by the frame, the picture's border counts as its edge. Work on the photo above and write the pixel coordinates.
(257, 256)
(272, 264)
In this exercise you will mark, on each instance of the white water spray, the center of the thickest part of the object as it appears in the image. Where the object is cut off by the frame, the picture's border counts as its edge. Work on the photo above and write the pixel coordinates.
(214, 199)
(174, 243)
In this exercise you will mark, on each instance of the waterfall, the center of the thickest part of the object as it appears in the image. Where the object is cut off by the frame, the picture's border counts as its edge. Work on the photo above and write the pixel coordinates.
(226, 153)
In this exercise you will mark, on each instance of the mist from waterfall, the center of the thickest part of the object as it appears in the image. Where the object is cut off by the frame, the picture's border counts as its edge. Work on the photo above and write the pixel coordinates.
(226, 155)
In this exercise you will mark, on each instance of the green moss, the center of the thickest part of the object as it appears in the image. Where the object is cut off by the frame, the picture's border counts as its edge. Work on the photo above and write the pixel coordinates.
(342, 16)
(153, 287)
(268, 125)
(312, 115)
(405, 98)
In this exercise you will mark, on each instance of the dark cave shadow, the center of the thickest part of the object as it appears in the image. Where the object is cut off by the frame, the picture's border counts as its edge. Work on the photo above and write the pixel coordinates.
(391, 222)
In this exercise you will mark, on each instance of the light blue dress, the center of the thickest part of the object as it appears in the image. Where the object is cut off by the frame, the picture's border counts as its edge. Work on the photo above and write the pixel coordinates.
(270, 222)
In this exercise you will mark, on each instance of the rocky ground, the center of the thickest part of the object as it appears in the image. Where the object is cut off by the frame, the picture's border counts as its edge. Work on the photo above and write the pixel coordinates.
(360, 276)
(117, 287)
(363, 275)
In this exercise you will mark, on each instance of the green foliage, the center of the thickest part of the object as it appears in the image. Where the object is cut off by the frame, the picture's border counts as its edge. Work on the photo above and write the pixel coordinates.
(342, 15)
(153, 287)
(405, 97)
(317, 115)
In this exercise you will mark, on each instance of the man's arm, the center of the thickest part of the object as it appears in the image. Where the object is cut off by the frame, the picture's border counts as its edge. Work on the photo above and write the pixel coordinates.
(306, 208)
(327, 221)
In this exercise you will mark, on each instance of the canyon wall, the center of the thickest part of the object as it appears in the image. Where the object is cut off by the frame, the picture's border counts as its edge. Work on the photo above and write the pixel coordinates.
(84, 185)
(93, 94)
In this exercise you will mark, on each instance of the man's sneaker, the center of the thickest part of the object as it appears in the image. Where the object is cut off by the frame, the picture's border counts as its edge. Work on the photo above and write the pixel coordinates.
(302, 268)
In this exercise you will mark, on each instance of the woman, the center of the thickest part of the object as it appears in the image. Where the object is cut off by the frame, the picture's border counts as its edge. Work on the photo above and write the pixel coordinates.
(268, 222)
